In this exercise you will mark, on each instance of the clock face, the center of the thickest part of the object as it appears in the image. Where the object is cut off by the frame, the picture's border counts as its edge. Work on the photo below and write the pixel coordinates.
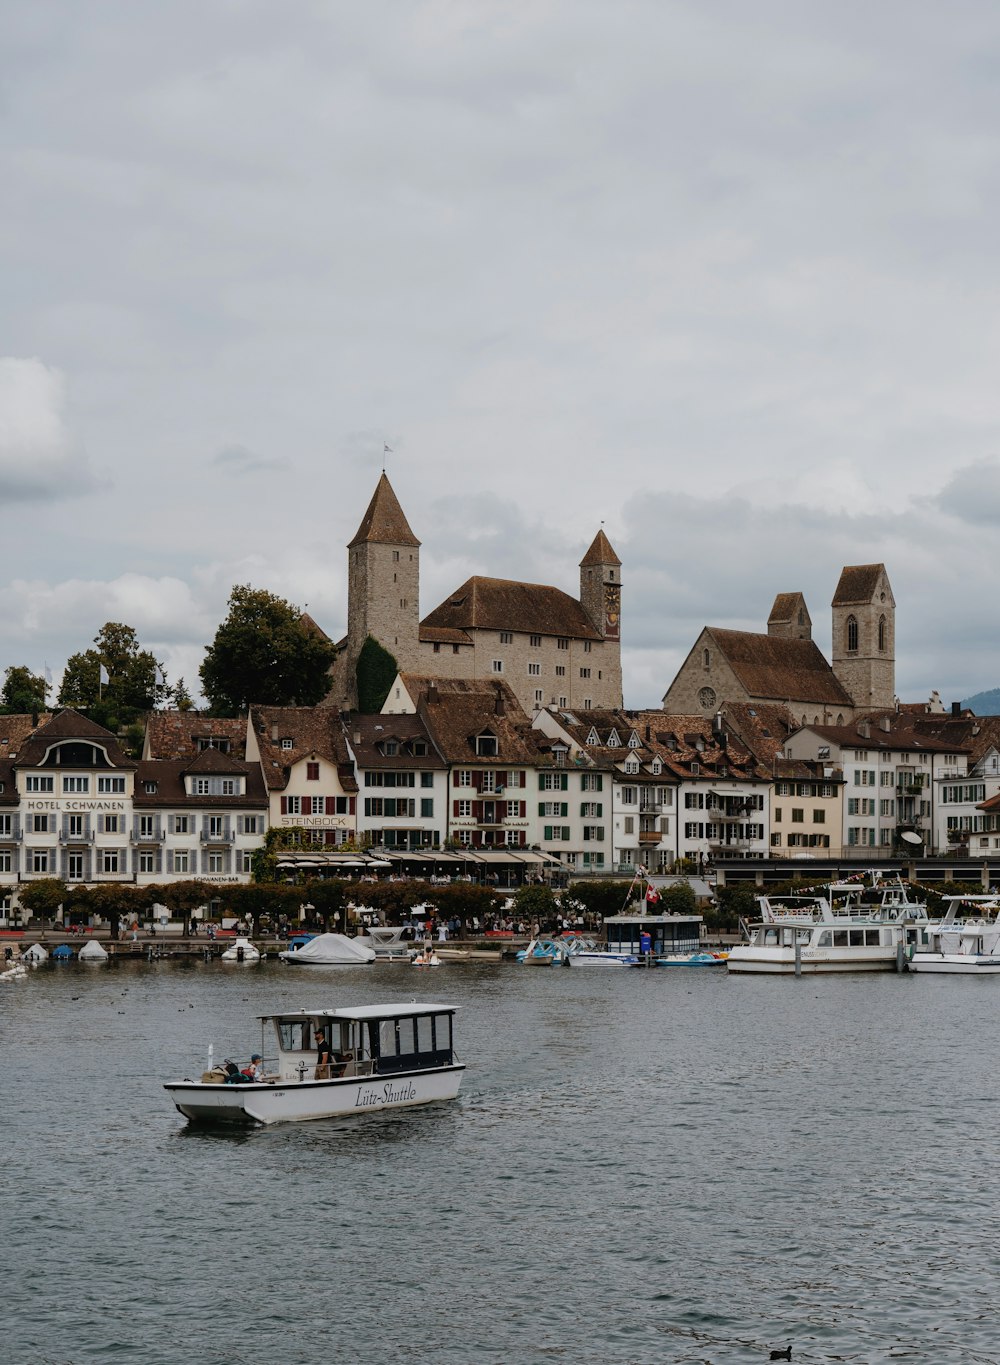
(707, 696)
(612, 612)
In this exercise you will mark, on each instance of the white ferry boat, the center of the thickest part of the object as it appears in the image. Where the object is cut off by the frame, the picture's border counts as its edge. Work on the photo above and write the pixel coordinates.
(965, 942)
(855, 928)
(382, 1057)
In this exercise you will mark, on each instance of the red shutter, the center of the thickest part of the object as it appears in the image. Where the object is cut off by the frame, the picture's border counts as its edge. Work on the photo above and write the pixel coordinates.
(454, 809)
(284, 805)
(502, 779)
(477, 781)
(477, 810)
(331, 805)
(477, 838)
(524, 809)
(454, 777)
(352, 805)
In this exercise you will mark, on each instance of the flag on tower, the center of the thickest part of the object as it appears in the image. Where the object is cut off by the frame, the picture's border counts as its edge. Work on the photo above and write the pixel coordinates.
(386, 450)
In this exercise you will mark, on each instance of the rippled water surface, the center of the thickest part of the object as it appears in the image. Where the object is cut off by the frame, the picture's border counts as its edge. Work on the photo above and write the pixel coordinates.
(642, 1167)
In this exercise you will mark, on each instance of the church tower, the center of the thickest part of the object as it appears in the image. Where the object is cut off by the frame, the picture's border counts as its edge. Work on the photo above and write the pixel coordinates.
(864, 636)
(383, 580)
(790, 619)
(601, 599)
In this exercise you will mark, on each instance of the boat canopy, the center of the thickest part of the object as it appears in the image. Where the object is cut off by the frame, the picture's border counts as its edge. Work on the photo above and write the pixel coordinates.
(402, 1010)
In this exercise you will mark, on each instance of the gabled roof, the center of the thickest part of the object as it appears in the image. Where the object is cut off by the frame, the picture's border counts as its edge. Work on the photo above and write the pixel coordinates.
(600, 552)
(418, 683)
(368, 734)
(776, 669)
(857, 585)
(69, 725)
(786, 607)
(762, 727)
(683, 740)
(384, 522)
(177, 734)
(502, 604)
(15, 729)
(169, 773)
(213, 761)
(455, 719)
(903, 736)
(313, 731)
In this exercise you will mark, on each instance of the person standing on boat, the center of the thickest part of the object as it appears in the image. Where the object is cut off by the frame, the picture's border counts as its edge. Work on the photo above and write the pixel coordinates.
(324, 1055)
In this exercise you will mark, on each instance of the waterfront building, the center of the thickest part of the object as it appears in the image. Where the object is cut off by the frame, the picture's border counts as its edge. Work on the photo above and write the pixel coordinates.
(402, 782)
(308, 772)
(547, 646)
(785, 666)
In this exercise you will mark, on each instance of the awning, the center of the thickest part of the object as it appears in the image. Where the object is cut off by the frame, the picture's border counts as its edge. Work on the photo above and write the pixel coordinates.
(491, 855)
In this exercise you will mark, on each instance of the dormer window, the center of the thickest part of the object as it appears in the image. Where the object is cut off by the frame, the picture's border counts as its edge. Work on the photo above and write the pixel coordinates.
(695, 769)
(631, 765)
(419, 748)
(634, 741)
(593, 737)
(656, 767)
(390, 748)
(150, 788)
(287, 743)
(486, 745)
(613, 741)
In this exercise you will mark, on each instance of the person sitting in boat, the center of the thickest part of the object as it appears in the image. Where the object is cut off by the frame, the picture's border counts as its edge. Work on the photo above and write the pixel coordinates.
(255, 1071)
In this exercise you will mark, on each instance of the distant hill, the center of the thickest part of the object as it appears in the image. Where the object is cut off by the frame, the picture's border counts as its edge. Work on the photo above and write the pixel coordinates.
(984, 703)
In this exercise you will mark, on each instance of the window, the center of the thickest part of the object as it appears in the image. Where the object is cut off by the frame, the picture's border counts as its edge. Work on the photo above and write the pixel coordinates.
(561, 672)
(562, 702)
(110, 824)
(248, 824)
(586, 646)
(464, 778)
(536, 641)
(33, 783)
(76, 784)
(201, 786)
(798, 815)
(147, 861)
(776, 815)
(74, 867)
(287, 743)
(629, 796)
(464, 809)
(539, 696)
(312, 772)
(506, 637)
(498, 665)
(246, 861)
(586, 703)
(852, 635)
(146, 826)
(426, 807)
(181, 824)
(182, 861)
(150, 788)
(819, 817)
(39, 860)
(486, 746)
(584, 672)
(216, 827)
(534, 670)
(294, 805)
(38, 824)
(74, 826)
(228, 785)
(881, 634)
(108, 786)
(214, 863)
(562, 642)
(109, 860)
(427, 779)
(629, 824)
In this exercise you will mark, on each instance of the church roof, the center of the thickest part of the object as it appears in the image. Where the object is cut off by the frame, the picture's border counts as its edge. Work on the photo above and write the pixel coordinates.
(500, 604)
(779, 670)
(600, 552)
(857, 584)
(786, 604)
(385, 522)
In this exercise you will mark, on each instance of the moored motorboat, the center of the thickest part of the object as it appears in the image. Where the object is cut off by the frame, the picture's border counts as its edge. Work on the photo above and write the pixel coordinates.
(852, 929)
(241, 950)
(962, 946)
(383, 1057)
(387, 942)
(330, 950)
(92, 951)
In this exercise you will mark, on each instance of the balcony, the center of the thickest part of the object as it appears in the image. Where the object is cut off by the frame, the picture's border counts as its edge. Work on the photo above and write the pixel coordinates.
(649, 837)
(154, 836)
(647, 807)
(65, 838)
(222, 837)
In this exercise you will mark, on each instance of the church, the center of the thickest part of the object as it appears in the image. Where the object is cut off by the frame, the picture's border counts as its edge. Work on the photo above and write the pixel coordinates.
(785, 666)
(550, 648)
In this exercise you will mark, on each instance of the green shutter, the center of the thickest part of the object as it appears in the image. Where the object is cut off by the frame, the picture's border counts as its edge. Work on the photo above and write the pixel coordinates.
(600, 808)
(599, 786)
(541, 782)
(564, 782)
(564, 808)
(541, 808)
(566, 833)
(600, 834)
(547, 832)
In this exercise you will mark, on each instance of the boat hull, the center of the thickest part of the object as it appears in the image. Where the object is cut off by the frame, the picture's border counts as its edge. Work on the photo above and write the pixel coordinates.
(955, 964)
(299, 1101)
(782, 962)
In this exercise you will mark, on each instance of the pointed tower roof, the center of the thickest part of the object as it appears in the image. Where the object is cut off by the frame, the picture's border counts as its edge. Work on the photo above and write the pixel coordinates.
(600, 552)
(858, 584)
(385, 522)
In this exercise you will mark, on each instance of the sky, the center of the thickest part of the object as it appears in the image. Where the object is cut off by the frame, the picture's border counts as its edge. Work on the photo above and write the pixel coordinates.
(722, 278)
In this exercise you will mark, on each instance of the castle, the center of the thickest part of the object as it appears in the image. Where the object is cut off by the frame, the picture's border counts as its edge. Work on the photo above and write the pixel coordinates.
(550, 648)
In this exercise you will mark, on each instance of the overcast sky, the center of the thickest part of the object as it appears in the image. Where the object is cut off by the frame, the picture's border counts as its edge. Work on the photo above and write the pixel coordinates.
(724, 277)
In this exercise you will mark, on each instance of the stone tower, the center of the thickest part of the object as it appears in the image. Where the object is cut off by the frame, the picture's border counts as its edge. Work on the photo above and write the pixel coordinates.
(790, 619)
(383, 580)
(601, 599)
(863, 655)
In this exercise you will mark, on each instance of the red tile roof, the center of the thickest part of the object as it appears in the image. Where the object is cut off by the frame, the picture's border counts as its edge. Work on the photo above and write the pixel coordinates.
(502, 604)
(384, 522)
(857, 584)
(600, 552)
(779, 670)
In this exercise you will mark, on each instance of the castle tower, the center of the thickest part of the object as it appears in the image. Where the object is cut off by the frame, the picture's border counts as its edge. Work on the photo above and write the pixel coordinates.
(601, 599)
(383, 580)
(790, 619)
(863, 655)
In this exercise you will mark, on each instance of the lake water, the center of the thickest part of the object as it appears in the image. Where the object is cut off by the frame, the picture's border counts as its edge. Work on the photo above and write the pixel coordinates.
(661, 1166)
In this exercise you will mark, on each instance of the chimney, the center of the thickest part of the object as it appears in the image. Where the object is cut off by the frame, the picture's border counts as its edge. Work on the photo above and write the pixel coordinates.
(864, 729)
(886, 724)
(274, 734)
(956, 708)
(648, 734)
(433, 696)
(498, 705)
(357, 737)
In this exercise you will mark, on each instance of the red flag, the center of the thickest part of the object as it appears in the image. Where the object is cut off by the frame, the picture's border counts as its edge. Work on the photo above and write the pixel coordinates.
(652, 895)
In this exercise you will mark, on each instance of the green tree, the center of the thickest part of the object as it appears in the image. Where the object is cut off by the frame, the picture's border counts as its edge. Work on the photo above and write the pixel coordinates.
(44, 897)
(465, 899)
(133, 674)
(262, 653)
(678, 899)
(182, 697)
(23, 692)
(182, 898)
(733, 902)
(597, 897)
(535, 903)
(376, 671)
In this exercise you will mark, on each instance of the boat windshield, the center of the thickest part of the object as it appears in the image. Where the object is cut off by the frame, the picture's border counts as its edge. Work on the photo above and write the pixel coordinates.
(410, 1043)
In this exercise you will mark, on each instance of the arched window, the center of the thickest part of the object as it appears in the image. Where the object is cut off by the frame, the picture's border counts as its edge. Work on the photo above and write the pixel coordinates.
(881, 634)
(852, 634)
(706, 658)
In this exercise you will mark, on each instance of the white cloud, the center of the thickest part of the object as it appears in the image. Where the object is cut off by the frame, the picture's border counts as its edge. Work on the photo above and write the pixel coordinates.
(37, 457)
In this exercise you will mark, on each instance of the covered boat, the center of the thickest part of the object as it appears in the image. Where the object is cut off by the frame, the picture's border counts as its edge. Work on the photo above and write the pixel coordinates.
(330, 950)
(93, 952)
(36, 953)
(382, 1057)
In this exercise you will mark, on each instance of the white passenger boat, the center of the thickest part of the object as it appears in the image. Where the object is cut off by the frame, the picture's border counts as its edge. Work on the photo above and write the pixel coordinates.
(846, 931)
(241, 950)
(387, 942)
(330, 950)
(384, 1057)
(965, 942)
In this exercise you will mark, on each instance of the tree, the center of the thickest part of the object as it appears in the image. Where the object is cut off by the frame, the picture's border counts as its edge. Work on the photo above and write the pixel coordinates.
(262, 653)
(133, 678)
(602, 898)
(24, 693)
(44, 897)
(181, 898)
(376, 671)
(678, 899)
(182, 697)
(536, 903)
